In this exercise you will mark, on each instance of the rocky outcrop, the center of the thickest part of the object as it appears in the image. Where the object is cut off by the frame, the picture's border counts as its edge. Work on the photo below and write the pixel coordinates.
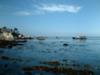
(6, 36)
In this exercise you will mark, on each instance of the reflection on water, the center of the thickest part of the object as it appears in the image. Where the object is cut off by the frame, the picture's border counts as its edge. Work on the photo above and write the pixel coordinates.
(52, 56)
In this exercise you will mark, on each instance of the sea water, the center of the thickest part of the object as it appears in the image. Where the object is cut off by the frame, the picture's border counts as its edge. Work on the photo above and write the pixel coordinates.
(78, 54)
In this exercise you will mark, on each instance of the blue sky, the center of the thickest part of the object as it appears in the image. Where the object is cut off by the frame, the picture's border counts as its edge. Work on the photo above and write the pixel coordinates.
(52, 17)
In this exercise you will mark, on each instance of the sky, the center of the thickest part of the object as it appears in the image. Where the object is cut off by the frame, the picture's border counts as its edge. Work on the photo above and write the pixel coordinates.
(52, 17)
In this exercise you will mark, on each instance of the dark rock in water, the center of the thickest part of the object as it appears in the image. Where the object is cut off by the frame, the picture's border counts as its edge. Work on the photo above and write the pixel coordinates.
(65, 44)
(4, 57)
(28, 38)
(6, 65)
(10, 44)
(1, 51)
(41, 38)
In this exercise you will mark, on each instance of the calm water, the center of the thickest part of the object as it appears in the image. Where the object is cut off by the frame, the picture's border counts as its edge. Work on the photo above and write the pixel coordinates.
(84, 54)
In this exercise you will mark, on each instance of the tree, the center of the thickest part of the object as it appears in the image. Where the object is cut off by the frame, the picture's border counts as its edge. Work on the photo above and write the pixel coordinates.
(15, 30)
(4, 27)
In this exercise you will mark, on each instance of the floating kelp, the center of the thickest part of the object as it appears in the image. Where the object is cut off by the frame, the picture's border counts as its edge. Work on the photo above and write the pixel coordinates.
(58, 70)
(51, 63)
(10, 58)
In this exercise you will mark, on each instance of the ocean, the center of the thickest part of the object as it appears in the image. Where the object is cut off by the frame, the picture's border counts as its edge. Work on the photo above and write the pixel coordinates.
(52, 56)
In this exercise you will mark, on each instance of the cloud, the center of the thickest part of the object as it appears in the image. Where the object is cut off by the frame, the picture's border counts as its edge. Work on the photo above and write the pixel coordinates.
(59, 8)
(46, 8)
(23, 13)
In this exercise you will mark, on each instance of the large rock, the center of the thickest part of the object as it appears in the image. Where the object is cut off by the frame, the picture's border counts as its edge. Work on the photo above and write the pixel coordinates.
(6, 36)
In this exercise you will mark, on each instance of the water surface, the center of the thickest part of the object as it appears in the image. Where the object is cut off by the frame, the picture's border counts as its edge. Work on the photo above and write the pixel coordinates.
(51, 53)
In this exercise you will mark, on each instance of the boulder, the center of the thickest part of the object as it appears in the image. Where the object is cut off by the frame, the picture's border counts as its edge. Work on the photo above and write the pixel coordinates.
(6, 36)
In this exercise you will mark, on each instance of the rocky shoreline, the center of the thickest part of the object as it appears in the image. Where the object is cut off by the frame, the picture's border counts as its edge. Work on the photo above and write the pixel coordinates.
(11, 37)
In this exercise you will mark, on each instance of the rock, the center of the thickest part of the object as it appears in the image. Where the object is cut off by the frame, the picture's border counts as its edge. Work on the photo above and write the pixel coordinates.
(65, 44)
(41, 38)
(6, 36)
(5, 58)
(6, 65)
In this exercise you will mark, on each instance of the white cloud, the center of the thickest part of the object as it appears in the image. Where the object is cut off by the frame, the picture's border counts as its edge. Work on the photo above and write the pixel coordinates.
(43, 8)
(59, 8)
(23, 13)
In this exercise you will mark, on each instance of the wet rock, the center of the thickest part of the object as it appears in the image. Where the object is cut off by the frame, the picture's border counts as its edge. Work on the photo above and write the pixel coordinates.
(4, 57)
(6, 65)
(1, 51)
(6, 36)
(41, 38)
(10, 46)
(65, 44)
